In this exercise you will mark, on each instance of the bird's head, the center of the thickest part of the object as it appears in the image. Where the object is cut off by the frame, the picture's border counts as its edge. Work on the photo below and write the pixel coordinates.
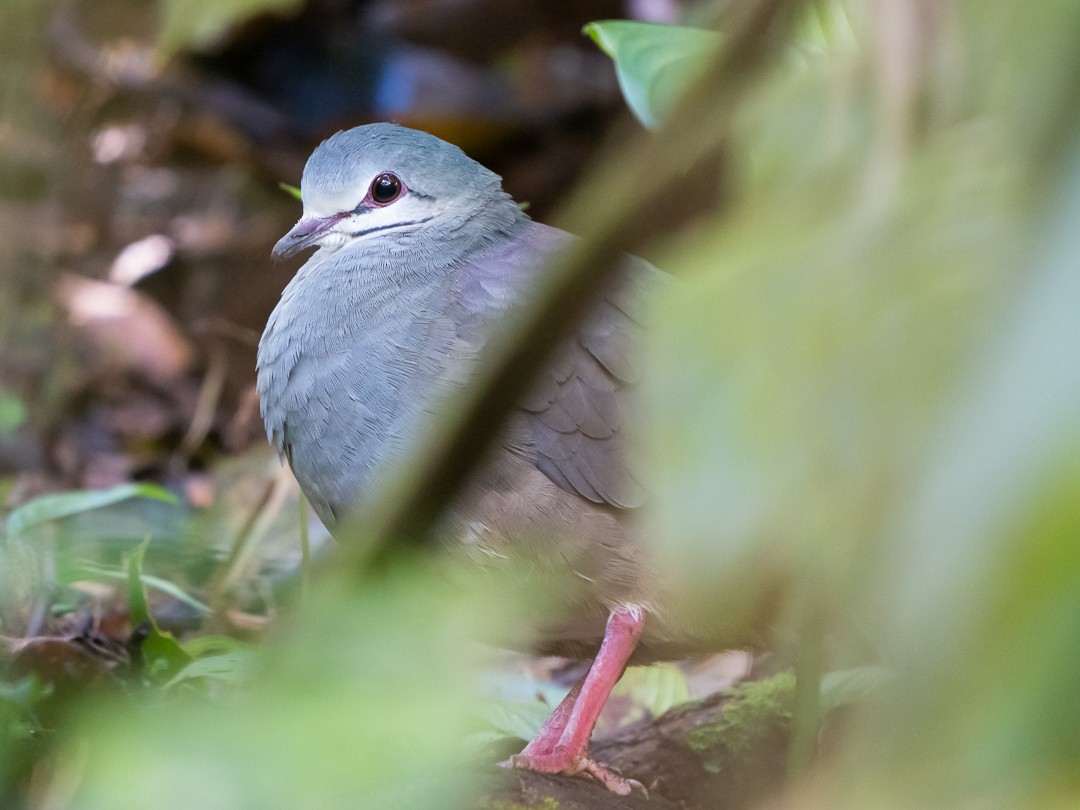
(392, 185)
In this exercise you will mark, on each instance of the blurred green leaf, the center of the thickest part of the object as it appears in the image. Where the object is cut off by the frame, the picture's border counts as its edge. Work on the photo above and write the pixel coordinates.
(983, 575)
(198, 23)
(863, 404)
(65, 504)
(162, 653)
(653, 63)
(12, 413)
(292, 191)
(24, 694)
(865, 399)
(361, 701)
(520, 719)
(204, 646)
(847, 686)
(237, 666)
(148, 581)
(655, 688)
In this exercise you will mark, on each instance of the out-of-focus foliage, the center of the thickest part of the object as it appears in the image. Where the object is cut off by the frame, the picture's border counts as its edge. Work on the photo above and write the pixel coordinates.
(12, 413)
(48, 508)
(292, 191)
(55, 540)
(22, 167)
(862, 406)
(163, 657)
(653, 62)
(197, 23)
(359, 696)
(866, 394)
(360, 700)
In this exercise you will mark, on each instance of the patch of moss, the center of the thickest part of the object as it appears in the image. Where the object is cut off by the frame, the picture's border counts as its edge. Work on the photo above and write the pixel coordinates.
(756, 715)
(547, 803)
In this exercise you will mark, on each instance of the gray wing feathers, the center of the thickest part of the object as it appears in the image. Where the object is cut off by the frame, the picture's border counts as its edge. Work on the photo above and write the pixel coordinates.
(574, 412)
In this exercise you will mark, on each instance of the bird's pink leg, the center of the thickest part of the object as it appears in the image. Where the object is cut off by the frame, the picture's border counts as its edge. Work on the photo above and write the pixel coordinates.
(573, 720)
(552, 730)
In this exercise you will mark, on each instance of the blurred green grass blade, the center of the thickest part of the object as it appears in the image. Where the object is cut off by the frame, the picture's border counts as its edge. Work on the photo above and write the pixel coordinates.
(292, 191)
(653, 63)
(138, 607)
(47, 508)
(148, 580)
(162, 653)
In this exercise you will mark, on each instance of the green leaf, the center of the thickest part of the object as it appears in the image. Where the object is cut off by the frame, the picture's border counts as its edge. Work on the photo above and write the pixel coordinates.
(137, 605)
(206, 646)
(148, 580)
(236, 666)
(655, 688)
(851, 685)
(293, 190)
(520, 719)
(653, 63)
(162, 652)
(65, 504)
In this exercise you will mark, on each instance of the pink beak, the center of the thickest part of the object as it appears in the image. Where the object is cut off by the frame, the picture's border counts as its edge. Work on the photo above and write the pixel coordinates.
(304, 234)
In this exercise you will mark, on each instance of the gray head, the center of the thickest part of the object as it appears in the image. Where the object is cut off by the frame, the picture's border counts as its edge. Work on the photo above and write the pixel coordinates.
(387, 184)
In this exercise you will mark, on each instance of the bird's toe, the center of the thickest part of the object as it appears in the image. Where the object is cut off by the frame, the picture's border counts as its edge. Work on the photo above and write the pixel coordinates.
(568, 764)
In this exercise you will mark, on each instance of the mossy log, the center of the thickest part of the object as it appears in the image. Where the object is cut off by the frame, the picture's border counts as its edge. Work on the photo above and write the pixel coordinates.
(726, 751)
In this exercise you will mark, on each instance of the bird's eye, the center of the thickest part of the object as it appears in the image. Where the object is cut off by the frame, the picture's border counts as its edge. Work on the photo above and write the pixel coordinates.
(385, 189)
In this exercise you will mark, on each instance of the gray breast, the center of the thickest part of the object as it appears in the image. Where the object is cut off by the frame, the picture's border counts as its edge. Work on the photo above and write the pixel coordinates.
(348, 364)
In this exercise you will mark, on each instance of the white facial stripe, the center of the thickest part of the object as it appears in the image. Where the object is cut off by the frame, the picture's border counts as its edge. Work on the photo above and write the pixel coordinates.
(388, 226)
(373, 222)
(323, 204)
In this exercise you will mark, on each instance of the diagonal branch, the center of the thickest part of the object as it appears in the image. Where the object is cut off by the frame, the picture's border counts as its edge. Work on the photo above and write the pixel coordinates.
(625, 187)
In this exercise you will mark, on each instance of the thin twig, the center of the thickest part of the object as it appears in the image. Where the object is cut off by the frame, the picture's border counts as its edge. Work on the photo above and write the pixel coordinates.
(305, 549)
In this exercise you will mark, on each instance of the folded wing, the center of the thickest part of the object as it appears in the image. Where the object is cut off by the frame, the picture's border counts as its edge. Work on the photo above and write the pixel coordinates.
(576, 410)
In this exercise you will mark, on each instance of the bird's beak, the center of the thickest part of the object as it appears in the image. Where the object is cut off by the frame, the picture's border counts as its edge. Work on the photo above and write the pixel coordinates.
(304, 234)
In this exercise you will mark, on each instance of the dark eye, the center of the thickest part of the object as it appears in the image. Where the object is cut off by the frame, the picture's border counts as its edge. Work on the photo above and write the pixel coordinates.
(385, 189)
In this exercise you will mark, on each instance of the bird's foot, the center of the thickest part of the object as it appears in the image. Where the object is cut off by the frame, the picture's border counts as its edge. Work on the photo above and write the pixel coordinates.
(562, 744)
(561, 761)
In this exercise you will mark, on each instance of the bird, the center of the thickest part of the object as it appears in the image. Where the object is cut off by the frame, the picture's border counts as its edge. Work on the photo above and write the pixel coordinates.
(422, 257)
